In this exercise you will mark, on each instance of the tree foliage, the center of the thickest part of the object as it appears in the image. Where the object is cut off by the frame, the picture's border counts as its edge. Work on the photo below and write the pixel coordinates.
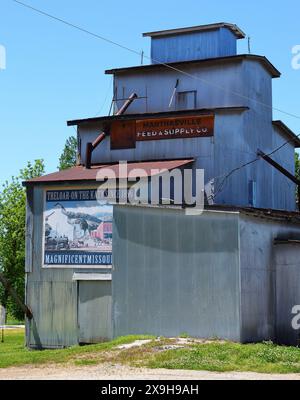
(12, 234)
(68, 157)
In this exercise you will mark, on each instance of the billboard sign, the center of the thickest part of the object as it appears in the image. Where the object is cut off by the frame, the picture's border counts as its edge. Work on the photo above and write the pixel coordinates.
(77, 229)
(175, 128)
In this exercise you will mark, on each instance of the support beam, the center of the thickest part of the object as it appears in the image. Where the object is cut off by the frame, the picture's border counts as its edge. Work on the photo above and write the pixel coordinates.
(278, 167)
(281, 169)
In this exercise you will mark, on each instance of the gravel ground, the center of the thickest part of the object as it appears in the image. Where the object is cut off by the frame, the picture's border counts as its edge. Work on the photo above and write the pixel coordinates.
(121, 372)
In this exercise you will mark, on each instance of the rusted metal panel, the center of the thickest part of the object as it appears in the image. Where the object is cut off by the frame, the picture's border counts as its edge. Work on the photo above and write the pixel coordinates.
(122, 135)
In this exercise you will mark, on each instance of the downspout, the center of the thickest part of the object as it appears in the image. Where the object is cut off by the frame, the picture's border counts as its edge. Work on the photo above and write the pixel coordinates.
(90, 147)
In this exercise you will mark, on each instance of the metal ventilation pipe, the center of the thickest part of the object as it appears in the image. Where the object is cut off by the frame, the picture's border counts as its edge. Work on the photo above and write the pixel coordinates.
(90, 147)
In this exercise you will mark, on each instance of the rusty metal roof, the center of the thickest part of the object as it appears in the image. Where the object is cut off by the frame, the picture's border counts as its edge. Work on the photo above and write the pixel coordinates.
(80, 174)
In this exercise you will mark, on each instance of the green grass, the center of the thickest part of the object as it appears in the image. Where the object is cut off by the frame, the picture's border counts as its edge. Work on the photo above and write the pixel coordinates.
(210, 356)
(224, 357)
(11, 320)
(14, 353)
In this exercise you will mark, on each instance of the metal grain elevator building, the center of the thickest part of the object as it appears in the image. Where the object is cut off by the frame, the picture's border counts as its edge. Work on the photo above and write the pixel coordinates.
(96, 271)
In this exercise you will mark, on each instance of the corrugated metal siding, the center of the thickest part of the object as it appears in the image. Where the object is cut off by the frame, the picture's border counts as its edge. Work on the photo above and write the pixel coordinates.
(158, 86)
(169, 272)
(285, 196)
(237, 136)
(94, 311)
(258, 268)
(54, 306)
(51, 293)
(193, 46)
(287, 262)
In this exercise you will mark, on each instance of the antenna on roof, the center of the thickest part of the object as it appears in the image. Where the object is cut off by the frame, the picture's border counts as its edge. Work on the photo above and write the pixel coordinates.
(142, 57)
(249, 44)
(173, 93)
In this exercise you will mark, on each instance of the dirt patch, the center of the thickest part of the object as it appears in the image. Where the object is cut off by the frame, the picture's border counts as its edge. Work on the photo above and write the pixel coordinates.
(123, 372)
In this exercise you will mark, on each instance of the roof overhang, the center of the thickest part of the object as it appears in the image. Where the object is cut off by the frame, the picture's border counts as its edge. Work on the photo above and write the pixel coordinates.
(293, 138)
(199, 28)
(80, 174)
(208, 61)
(125, 117)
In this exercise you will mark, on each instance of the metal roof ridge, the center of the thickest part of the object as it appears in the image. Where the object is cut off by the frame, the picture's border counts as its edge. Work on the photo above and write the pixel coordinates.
(198, 28)
(156, 114)
(273, 70)
(282, 126)
(81, 173)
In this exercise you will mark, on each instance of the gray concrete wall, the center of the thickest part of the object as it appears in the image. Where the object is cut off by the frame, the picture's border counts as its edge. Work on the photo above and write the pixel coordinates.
(175, 273)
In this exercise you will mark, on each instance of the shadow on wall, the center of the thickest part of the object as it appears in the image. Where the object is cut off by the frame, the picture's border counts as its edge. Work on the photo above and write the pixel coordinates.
(34, 331)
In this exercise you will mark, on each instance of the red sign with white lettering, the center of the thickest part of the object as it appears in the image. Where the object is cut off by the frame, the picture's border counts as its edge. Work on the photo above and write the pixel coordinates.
(175, 128)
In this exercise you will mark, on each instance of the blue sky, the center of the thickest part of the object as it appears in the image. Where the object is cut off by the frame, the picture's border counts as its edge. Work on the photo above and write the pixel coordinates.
(55, 73)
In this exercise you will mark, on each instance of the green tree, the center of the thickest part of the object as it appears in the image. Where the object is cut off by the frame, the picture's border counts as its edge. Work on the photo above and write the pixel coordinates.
(68, 157)
(12, 234)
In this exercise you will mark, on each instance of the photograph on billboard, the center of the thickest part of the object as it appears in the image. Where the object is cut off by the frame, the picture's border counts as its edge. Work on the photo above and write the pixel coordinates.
(77, 229)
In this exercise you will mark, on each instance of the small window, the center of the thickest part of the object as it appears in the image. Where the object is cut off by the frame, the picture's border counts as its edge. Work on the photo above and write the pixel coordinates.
(186, 100)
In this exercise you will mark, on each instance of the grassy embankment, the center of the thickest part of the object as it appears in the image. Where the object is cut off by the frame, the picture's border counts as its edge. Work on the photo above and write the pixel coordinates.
(164, 353)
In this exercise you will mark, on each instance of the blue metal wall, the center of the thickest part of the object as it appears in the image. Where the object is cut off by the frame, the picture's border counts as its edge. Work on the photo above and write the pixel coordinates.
(237, 137)
(193, 46)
